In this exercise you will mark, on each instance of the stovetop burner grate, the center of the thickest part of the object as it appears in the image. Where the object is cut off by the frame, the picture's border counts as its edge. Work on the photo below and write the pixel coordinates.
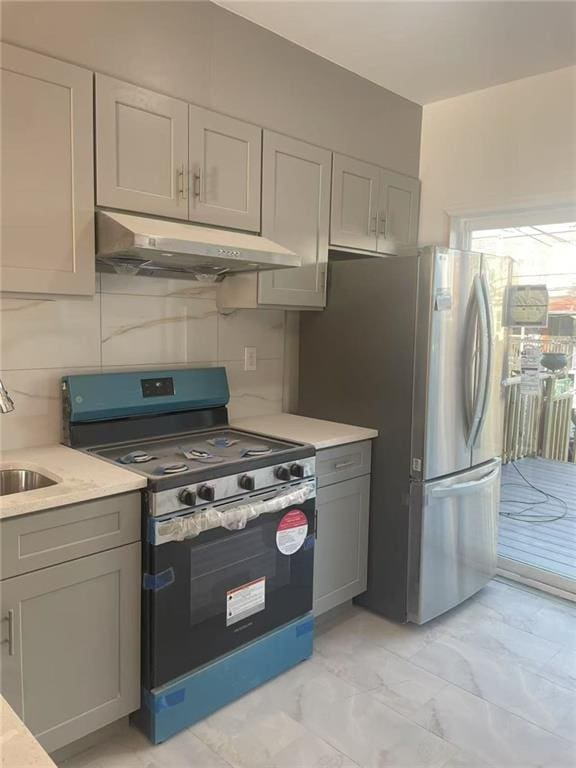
(171, 469)
(136, 457)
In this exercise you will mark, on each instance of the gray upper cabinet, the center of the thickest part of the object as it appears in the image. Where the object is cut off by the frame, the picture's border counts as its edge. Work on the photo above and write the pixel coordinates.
(398, 208)
(71, 644)
(141, 149)
(354, 204)
(225, 166)
(46, 123)
(296, 214)
(372, 209)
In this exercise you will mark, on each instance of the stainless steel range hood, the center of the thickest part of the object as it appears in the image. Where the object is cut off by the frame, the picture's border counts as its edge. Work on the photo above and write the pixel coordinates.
(139, 245)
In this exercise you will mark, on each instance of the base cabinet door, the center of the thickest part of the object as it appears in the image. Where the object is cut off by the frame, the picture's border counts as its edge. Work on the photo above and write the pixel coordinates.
(46, 161)
(71, 645)
(341, 549)
(354, 220)
(296, 214)
(225, 163)
(141, 149)
(399, 204)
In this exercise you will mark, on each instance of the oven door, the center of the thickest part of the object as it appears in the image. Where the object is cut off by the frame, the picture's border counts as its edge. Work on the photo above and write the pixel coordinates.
(207, 593)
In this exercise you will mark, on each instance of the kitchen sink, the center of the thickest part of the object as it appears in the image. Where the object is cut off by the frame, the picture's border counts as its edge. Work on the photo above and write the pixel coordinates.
(19, 480)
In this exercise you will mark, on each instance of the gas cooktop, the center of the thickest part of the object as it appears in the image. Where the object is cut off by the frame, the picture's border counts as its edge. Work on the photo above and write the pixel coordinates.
(193, 452)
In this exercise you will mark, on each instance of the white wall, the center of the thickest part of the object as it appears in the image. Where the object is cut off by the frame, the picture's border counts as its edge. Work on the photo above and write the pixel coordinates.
(511, 146)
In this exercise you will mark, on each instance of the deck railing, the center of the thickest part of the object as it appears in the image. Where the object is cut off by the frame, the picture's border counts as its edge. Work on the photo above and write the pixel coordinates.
(539, 424)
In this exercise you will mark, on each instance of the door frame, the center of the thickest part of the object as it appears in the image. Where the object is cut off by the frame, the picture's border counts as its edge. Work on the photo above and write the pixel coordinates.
(462, 224)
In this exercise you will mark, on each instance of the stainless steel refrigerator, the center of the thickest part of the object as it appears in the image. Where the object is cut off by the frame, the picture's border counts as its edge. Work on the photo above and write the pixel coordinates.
(414, 346)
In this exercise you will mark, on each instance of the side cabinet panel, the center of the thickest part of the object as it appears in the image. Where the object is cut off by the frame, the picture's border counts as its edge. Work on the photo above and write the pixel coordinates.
(71, 660)
(341, 556)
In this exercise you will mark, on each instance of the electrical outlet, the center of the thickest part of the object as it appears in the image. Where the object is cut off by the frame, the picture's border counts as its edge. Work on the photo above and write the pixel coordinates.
(249, 358)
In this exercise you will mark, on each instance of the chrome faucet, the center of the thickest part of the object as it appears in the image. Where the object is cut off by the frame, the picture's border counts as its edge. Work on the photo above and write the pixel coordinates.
(6, 403)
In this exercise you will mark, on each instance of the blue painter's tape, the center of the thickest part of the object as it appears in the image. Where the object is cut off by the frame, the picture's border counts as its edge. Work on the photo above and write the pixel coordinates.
(309, 541)
(158, 581)
(305, 627)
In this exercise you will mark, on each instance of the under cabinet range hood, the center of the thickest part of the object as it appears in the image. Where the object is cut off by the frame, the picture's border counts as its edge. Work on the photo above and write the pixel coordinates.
(140, 245)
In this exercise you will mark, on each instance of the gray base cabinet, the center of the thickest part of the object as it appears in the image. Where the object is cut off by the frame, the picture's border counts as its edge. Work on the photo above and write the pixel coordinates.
(343, 506)
(70, 653)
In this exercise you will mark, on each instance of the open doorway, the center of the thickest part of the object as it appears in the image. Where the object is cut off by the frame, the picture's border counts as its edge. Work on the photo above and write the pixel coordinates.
(537, 538)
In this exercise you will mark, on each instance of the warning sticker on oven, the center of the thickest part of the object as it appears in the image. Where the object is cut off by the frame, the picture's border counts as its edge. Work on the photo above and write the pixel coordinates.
(291, 532)
(243, 601)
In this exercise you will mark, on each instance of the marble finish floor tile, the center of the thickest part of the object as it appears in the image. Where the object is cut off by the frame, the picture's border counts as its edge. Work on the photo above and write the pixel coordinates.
(395, 681)
(251, 734)
(375, 736)
(549, 618)
(493, 636)
(508, 685)
(492, 734)
(402, 639)
(560, 669)
(491, 684)
(131, 749)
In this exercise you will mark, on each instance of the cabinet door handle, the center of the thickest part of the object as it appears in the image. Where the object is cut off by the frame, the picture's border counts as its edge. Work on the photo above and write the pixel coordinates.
(10, 641)
(374, 226)
(182, 191)
(383, 224)
(198, 183)
(343, 464)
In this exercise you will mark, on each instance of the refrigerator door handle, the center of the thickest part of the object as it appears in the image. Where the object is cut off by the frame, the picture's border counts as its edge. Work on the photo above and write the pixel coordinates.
(475, 397)
(488, 352)
(463, 488)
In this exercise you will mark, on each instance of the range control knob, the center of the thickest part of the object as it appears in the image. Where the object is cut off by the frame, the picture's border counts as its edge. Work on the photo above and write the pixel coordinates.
(282, 473)
(206, 492)
(246, 482)
(187, 497)
(297, 470)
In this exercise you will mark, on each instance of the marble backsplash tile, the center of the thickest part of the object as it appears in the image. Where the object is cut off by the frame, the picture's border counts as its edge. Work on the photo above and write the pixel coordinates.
(131, 323)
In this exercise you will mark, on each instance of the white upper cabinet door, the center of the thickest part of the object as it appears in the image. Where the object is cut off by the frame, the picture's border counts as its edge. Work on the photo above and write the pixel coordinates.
(46, 124)
(225, 163)
(354, 204)
(141, 150)
(397, 211)
(296, 214)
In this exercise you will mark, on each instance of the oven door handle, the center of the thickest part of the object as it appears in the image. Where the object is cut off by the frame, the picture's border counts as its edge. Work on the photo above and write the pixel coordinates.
(232, 518)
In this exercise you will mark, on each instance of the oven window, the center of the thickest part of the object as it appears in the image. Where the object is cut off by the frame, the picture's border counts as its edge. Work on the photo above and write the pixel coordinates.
(221, 566)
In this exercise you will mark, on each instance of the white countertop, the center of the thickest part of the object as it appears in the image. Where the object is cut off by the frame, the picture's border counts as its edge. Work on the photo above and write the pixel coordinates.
(79, 478)
(301, 429)
(18, 748)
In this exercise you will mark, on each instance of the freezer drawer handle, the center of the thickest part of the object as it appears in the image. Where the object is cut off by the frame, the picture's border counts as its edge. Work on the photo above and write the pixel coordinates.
(470, 487)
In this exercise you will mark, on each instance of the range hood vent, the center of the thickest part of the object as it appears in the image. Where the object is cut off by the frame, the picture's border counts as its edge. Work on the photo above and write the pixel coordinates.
(140, 245)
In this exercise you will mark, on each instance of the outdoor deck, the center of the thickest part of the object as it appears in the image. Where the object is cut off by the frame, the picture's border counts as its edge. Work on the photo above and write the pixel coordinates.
(548, 545)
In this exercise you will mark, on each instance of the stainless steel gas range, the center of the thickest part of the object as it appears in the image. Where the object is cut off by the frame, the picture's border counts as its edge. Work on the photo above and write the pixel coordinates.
(228, 536)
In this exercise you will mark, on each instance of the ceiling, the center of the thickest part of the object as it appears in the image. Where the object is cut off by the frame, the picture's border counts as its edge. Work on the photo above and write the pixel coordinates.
(426, 51)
